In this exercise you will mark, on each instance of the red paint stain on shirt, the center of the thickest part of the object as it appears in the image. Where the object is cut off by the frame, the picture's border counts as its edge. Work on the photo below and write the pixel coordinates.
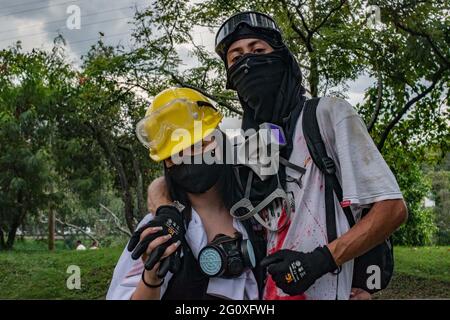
(271, 292)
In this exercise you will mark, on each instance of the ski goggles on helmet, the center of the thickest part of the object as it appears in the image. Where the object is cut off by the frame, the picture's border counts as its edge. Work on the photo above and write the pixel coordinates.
(251, 18)
(176, 126)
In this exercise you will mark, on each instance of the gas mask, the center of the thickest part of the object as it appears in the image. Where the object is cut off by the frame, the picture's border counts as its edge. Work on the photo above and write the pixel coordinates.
(227, 257)
(258, 174)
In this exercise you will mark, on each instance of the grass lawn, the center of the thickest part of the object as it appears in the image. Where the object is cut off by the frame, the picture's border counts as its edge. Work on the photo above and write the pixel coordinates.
(42, 275)
(420, 273)
(38, 274)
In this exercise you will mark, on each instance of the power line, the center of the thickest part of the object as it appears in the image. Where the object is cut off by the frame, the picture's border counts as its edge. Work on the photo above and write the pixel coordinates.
(23, 4)
(45, 32)
(36, 9)
(48, 46)
(39, 8)
(110, 36)
(65, 19)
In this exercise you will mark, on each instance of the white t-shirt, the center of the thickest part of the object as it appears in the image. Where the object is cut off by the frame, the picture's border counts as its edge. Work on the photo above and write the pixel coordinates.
(128, 272)
(80, 247)
(366, 179)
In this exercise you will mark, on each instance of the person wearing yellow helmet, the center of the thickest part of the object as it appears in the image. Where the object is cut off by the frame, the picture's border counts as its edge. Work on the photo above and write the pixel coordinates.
(193, 249)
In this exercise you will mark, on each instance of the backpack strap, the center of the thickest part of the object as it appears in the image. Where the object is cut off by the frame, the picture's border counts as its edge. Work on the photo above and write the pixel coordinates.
(326, 165)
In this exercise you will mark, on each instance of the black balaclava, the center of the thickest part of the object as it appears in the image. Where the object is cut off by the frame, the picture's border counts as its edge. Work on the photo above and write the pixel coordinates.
(268, 85)
(270, 90)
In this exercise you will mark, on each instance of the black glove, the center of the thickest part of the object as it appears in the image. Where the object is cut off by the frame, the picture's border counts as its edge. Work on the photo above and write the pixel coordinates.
(294, 272)
(170, 219)
(171, 263)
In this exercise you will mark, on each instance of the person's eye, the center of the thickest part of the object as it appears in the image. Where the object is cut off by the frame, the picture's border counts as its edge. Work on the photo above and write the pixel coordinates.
(235, 58)
(259, 50)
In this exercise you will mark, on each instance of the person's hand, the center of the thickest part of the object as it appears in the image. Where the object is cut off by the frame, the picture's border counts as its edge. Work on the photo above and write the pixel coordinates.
(157, 194)
(360, 294)
(167, 223)
(294, 272)
(154, 275)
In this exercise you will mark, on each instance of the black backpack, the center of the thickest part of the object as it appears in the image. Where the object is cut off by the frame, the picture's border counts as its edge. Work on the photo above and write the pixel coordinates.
(378, 261)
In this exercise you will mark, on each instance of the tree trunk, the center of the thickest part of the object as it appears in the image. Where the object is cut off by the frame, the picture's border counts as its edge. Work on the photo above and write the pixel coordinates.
(141, 201)
(313, 78)
(2, 240)
(11, 237)
(13, 230)
(113, 157)
(51, 230)
(17, 221)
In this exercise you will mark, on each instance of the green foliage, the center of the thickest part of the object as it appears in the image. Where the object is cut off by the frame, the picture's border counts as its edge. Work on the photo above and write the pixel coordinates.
(440, 193)
(67, 136)
(31, 85)
(420, 227)
(419, 230)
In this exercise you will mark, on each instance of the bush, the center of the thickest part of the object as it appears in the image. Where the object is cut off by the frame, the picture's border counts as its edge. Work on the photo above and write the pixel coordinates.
(419, 230)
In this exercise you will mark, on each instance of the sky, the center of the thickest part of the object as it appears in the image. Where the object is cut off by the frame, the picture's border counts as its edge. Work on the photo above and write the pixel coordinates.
(37, 22)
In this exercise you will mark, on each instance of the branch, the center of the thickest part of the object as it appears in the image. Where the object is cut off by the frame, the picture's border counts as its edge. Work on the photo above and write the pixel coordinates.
(304, 66)
(436, 78)
(116, 221)
(427, 37)
(295, 28)
(333, 10)
(299, 12)
(76, 228)
(215, 98)
(377, 105)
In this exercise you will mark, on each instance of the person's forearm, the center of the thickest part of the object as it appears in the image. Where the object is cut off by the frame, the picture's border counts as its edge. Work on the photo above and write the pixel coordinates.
(157, 194)
(381, 221)
(145, 293)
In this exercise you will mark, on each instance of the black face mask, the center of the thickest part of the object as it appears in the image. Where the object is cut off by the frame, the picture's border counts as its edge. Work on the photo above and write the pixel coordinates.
(195, 178)
(268, 86)
(257, 78)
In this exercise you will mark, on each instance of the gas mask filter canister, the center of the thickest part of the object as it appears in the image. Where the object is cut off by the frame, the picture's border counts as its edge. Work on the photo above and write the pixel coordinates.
(227, 257)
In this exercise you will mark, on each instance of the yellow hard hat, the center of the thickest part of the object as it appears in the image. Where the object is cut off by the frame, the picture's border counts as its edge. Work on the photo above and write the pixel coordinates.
(176, 119)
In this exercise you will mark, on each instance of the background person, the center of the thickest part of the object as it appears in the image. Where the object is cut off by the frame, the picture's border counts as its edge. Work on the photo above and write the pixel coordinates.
(94, 245)
(79, 245)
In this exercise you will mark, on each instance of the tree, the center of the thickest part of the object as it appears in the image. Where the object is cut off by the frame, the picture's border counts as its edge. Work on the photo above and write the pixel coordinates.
(407, 53)
(67, 133)
(30, 84)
